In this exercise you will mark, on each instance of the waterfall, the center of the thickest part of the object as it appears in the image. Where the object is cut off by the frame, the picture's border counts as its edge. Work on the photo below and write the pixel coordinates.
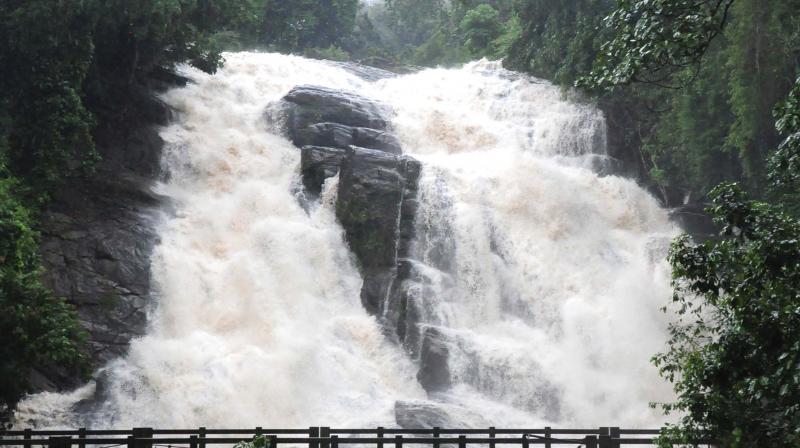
(543, 277)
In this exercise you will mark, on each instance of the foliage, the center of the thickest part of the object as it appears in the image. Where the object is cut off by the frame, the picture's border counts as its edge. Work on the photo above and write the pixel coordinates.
(654, 39)
(303, 24)
(437, 32)
(713, 124)
(56, 57)
(480, 26)
(763, 56)
(415, 21)
(36, 328)
(48, 128)
(259, 441)
(558, 40)
(734, 354)
(784, 164)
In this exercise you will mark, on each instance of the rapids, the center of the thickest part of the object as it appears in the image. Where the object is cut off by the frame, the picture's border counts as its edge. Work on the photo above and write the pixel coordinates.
(545, 276)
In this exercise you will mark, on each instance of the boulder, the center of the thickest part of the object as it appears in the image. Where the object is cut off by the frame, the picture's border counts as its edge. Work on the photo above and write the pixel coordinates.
(304, 106)
(434, 369)
(424, 415)
(376, 198)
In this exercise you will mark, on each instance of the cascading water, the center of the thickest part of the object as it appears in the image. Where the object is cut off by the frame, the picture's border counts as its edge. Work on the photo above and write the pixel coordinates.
(543, 278)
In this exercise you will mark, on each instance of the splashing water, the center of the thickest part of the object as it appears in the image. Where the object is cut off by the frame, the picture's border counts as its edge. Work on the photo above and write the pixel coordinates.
(545, 277)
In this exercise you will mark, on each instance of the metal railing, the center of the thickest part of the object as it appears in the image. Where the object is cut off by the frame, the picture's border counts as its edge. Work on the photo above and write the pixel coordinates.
(326, 437)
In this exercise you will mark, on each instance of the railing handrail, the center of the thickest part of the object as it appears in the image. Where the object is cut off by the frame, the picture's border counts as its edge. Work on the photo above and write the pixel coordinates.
(326, 437)
(332, 431)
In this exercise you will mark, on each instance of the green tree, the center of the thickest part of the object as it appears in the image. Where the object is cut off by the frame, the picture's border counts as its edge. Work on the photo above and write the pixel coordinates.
(654, 39)
(480, 26)
(784, 164)
(305, 24)
(558, 40)
(734, 353)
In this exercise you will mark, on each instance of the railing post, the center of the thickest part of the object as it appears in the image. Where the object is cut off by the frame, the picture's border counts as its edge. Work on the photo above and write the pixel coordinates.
(491, 436)
(313, 432)
(603, 440)
(273, 441)
(380, 436)
(192, 441)
(259, 431)
(334, 441)
(201, 433)
(590, 441)
(436, 431)
(142, 433)
(548, 434)
(615, 434)
(525, 441)
(462, 441)
(325, 432)
(398, 441)
(59, 442)
(27, 437)
(81, 437)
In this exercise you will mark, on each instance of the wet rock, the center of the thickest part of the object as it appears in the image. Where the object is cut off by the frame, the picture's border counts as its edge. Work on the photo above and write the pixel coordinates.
(423, 415)
(434, 369)
(96, 246)
(98, 233)
(340, 136)
(305, 106)
(318, 163)
(376, 197)
(376, 201)
(365, 72)
(694, 220)
(605, 165)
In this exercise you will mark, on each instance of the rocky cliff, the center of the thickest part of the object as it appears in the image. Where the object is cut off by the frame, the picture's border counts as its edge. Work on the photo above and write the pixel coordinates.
(345, 134)
(98, 232)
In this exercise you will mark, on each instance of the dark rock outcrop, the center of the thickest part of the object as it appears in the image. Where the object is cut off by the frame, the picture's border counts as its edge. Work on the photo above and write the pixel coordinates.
(344, 133)
(694, 220)
(305, 106)
(98, 233)
(434, 369)
(374, 189)
(421, 415)
(426, 415)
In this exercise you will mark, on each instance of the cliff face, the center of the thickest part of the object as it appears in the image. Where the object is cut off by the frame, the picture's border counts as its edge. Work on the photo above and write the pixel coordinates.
(98, 233)
(625, 143)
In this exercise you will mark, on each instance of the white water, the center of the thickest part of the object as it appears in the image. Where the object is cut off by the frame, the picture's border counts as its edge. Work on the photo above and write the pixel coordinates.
(549, 285)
